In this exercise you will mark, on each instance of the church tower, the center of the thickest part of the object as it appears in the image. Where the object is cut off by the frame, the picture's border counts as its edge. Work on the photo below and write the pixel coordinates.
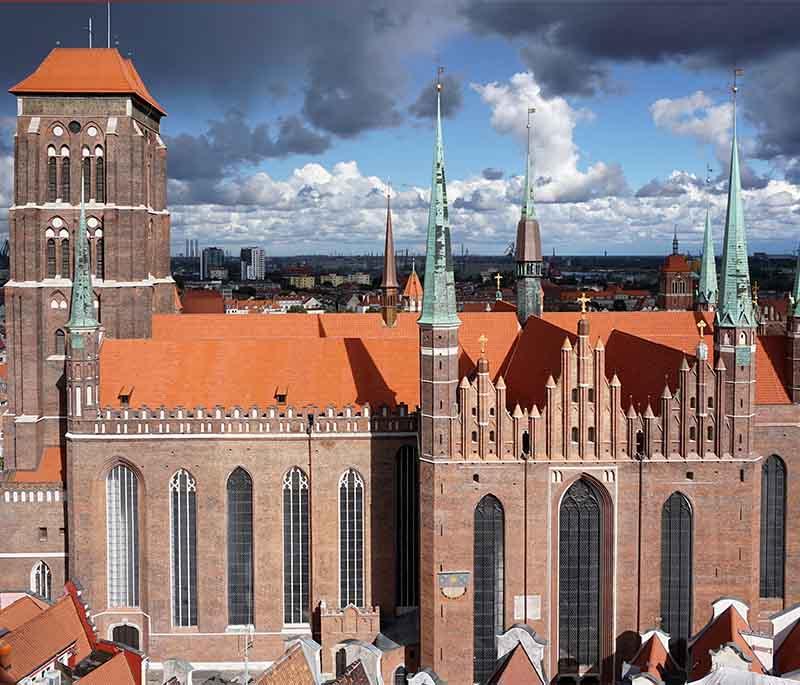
(87, 124)
(438, 331)
(389, 284)
(735, 324)
(529, 247)
(793, 337)
(707, 287)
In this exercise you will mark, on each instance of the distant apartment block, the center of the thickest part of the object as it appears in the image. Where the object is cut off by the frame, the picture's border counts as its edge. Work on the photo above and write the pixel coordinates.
(301, 281)
(331, 279)
(211, 259)
(254, 263)
(359, 278)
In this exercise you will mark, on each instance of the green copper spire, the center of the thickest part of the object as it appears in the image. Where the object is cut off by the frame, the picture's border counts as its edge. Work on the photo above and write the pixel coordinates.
(82, 306)
(707, 288)
(735, 300)
(528, 207)
(794, 299)
(439, 294)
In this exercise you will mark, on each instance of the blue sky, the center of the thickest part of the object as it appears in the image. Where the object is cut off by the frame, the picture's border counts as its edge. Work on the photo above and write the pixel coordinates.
(271, 104)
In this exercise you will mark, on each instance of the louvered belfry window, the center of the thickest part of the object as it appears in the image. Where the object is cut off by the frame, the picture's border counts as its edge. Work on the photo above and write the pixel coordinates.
(351, 539)
(676, 572)
(488, 570)
(122, 517)
(407, 526)
(773, 527)
(240, 548)
(295, 547)
(580, 558)
(183, 510)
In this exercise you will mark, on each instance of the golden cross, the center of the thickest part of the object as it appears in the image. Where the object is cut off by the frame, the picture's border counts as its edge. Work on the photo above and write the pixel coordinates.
(702, 326)
(497, 280)
(483, 340)
(584, 300)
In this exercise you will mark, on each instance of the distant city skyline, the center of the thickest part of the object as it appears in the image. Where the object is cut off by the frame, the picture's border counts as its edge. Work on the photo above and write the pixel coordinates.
(296, 152)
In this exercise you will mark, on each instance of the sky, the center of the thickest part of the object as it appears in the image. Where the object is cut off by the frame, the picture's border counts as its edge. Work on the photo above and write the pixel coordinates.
(287, 120)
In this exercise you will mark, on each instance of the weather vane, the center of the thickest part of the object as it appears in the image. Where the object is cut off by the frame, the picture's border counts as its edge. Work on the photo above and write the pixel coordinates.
(737, 72)
(439, 72)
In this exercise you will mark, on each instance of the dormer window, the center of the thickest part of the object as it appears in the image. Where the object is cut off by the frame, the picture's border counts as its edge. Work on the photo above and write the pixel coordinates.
(281, 394)
(124, 396)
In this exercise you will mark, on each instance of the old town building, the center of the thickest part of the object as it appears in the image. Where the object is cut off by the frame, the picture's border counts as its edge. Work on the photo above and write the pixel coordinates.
(418, 492)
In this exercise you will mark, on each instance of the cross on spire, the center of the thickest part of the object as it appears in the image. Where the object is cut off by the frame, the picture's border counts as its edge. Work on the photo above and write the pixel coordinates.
(583, 300)
(483, 340)
(702, 326)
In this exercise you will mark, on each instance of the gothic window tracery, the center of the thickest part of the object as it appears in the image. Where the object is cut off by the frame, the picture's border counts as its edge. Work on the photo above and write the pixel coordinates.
(240, 548)
(295, 547)
(773, 527)
(122, 529)
(42, 581)
(489, 571)
(676, 571)
(183, 509)
(351, 539)
(52, 174)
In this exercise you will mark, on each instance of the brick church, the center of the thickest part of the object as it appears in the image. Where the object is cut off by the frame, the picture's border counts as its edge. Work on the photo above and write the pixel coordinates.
(414, 484)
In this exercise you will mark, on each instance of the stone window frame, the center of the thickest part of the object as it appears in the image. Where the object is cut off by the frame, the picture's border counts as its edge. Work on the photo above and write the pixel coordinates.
(351, 538)
(772, 556)
(122, 536)
(183, 548)
(235, 519)
(296, 548)
(677, 559)
(42, 580)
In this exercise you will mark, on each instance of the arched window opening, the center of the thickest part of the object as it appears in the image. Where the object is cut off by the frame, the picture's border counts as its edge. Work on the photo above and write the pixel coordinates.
(60, 347)
(591, 433)
(183, 499)
(122, 519)
(710, 432)
(639, 443)
(126, 635)
(488, 570)
(100, 175)
(52, 174)
(351, 539)
(295, 547)
(526, 442)
(580, 564)
(773, 527)
(240, 548)
(51, 258)
(65, 270)
(87, 176)
(407, 526)
(99, 261)
(42, 581)
(692, 433)
(676, 572)
(341, 661)
(574, 434)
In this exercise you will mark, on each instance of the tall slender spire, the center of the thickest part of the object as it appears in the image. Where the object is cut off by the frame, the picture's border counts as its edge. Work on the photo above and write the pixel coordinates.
(82, 313)
(528, 206)
(675, 240)
(735, 299)
(794, 300)
(439, 295)
(707, 287)
(389, 285)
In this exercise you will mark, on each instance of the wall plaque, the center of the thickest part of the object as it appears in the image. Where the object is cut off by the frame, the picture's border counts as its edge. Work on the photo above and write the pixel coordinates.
(453, 584)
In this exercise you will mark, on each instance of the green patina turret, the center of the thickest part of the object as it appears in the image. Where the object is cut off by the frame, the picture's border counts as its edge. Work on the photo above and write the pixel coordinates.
(82, 315)
(439, 295)
(735, 299)
(708, 287)
(794, 300)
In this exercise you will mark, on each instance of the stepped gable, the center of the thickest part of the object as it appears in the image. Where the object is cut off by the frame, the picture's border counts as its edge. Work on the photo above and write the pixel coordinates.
(644, 349)
(338, 359)
(100, 71)
(21, 611)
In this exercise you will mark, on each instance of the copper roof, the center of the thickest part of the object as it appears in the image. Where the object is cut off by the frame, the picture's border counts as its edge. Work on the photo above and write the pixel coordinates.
(67, 71)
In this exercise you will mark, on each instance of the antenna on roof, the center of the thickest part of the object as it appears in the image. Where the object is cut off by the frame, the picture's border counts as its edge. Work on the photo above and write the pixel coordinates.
(89, 29)
(108, 23)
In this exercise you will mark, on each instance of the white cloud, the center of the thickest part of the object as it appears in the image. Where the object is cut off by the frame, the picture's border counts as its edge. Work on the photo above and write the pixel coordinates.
(557, 156)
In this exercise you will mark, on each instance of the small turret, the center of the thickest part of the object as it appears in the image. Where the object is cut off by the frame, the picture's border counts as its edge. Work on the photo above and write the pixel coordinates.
(707, 287)
(389, 284)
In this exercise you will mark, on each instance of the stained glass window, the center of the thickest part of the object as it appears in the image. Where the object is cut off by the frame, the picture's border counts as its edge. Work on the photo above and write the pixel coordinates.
(122, 518)
(41, 580)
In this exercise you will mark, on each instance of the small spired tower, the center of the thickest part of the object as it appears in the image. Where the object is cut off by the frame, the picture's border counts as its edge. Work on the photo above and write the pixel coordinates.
(83, 331)
(707, 288)
(389, 285)
(735, 323)
(793, 337)
(529, 247)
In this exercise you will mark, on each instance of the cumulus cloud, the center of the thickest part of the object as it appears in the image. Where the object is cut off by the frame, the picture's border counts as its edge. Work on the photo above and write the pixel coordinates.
(557, 154)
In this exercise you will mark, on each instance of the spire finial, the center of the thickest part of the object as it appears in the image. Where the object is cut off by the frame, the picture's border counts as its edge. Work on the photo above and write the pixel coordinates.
(675, 239)
(528, 207)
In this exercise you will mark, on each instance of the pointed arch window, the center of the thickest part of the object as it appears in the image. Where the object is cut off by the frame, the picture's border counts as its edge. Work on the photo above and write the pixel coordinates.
(100, 175)
(407, 526)
(489, 571)
(51, 258)
(42, 581)
(126, 635)
(295, 547)
(351, 539)
(773, 527)
(65, 174)
(183, 509)
(99, 257)
(61, 346)
(87, 175)
(52, 174)
(580, 559)
(676, 572)
(122, 529)
(240, 548)
(66, 272)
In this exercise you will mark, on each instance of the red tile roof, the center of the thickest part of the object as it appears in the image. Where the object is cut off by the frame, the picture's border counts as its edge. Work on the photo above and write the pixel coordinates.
(354, 674)
(413, 289)
(86, 70)
(202, 360)
(725, 628)
(115, 671)
(290, 669)
(787, 657)
(50, 469)
(676, 263)
(653, 658)
(21, 611)
(46, 636)
(515, 668)
(3, 371)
